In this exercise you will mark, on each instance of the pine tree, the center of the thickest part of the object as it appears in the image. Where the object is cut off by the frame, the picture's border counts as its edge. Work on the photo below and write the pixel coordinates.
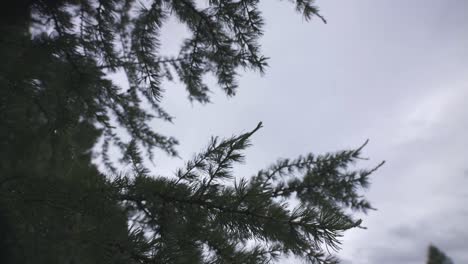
(56, 102)
(436, 256)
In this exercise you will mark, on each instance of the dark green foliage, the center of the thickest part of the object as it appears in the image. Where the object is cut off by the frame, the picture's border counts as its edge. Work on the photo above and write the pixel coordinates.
(95, 37)
(209, 216)
(56, 103)
(435, 256)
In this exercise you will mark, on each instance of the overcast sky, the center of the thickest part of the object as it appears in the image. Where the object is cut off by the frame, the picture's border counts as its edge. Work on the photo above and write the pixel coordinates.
(395, 72)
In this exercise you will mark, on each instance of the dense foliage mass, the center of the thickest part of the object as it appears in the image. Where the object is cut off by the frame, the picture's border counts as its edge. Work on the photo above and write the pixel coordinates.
(56, 102)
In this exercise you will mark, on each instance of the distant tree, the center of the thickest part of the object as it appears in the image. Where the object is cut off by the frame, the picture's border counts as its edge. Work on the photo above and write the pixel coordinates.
(436, 256)
(56, 103)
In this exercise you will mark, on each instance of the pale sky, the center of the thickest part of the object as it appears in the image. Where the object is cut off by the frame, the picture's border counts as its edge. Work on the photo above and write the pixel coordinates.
(394, 72)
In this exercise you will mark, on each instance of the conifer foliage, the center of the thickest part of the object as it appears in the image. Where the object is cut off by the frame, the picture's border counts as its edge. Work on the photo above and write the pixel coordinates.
(95, 37)
(436, 256)
(206, 215)
(56, 103)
